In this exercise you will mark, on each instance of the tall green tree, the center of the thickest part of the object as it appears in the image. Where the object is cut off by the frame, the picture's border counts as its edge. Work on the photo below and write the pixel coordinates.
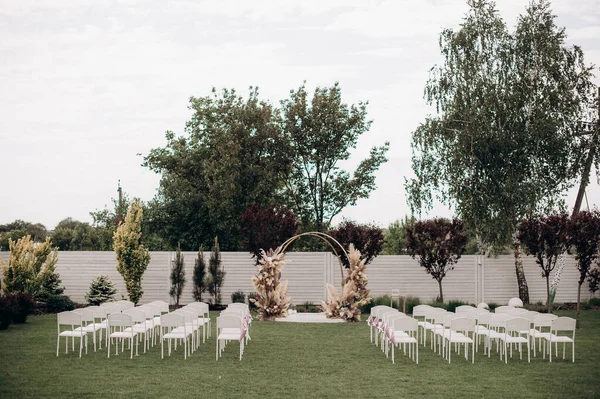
(31, 268)
(18, 229)
(73, 235)
(503, 142)
(322, 131)
(216, 274)
(106, 220)
(200, 277)
(394, 237)
(231, 156)
(177, 276)
(132, 256)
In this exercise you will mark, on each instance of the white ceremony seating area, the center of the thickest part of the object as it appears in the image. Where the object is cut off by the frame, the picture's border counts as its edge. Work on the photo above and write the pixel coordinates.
(506, 330)
(116, 323)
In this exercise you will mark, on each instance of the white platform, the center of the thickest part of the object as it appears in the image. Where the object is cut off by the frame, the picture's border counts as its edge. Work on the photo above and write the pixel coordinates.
(308, 318)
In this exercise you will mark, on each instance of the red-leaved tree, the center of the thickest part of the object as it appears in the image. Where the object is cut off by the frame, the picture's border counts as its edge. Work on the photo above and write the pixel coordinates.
(366, 238)
(439, 244)
(545, 237)
(584, 236)
(266, 227)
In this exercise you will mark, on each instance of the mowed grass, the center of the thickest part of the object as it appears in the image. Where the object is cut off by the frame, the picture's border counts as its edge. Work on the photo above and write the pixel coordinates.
(288, 360)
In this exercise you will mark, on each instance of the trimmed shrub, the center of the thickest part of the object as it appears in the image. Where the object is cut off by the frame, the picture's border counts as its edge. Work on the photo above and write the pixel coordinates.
(411, 302)
(452, 305)
(238, 297)
(59, 303)
(594, 302)
(24, 306)
(101, 290)
(7, 308)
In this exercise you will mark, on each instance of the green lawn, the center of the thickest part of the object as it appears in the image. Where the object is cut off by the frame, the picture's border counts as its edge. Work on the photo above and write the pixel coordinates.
(288, 360)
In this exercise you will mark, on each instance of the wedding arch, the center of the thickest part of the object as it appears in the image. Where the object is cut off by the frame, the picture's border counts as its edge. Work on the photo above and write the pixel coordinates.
(272, 301)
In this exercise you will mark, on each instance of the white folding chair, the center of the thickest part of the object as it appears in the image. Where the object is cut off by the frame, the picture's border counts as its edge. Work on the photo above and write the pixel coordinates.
(419, 313)
(429, 324)
(459, 331)
(405, 331)
(117, 324)
(73, 321)
(88, 320)
(542, 324)
(497, 327)
(141, 325)
(203, 319)
(513, 334)
(176, 329)
(229, 328)
(562, 325)
(373, 319)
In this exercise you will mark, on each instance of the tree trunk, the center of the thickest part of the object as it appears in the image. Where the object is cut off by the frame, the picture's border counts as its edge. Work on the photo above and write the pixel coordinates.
(548, 303)
(585, 174)
(577, 324)
(521, 281)
(441, 293)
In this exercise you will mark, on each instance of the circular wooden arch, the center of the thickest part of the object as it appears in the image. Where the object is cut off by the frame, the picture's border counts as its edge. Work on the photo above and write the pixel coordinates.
(325, 237)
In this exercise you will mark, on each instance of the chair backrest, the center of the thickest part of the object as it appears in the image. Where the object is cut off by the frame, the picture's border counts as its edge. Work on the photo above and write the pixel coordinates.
(483, 318)
(517, 324)
(438, 318)
(375, 309)
(113, 307)
(544, 320)
(68, 318)
(87, 315)
(190, 317)
(98, 311)
(518, 312)
(154, 310)
(499, 320)
(137, 315)
(125, 304)
(449, 317)
(238, 305)
(464, 308)
(162, 305)
(392, 316)
(406, 324)
(174, 319)
(229, 321)
(382, 309)
(420, 310)
(464, 324)
(563, 324)
(120, 320)
(431, 313)
(502, 309)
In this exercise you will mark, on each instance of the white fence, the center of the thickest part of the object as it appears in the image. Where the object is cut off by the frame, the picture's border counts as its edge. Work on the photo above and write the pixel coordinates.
(475, 278)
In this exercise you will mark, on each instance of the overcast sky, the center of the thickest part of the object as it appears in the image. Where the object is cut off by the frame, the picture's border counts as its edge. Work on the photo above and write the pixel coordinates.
(86, 86)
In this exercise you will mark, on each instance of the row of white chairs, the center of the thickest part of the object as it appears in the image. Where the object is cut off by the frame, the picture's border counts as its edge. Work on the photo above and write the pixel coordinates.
(122, 321)
(507, 329)
(233, 324)
(390, 327)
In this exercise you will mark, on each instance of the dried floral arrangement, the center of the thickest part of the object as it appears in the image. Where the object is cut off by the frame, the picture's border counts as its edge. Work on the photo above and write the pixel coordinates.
(271, 294)
(354, 294)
